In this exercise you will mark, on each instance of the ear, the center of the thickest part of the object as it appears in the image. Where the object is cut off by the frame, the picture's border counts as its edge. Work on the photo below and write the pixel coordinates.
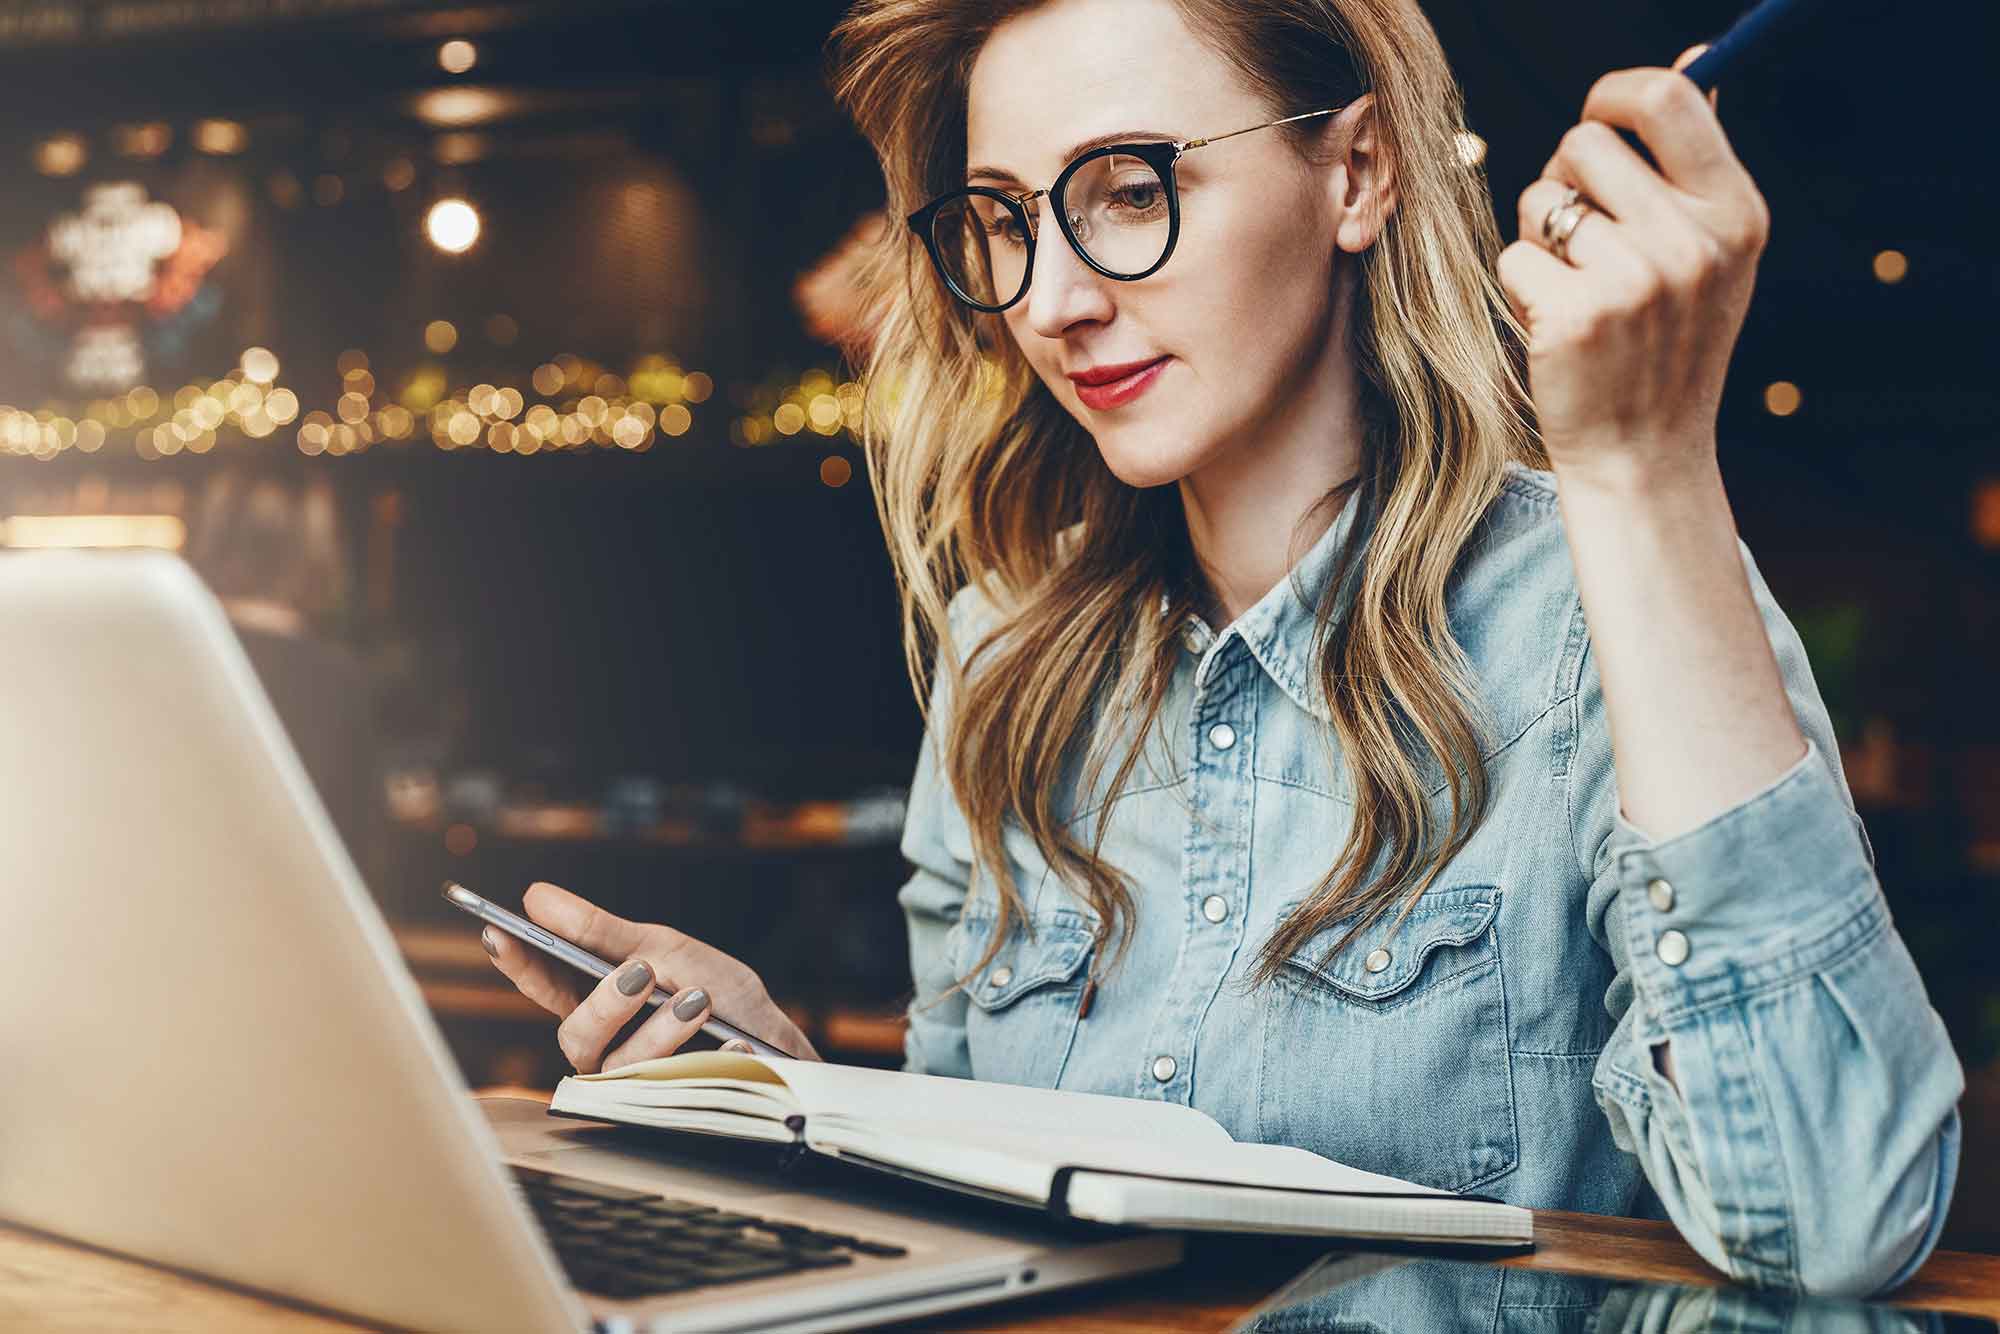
(1361, 180)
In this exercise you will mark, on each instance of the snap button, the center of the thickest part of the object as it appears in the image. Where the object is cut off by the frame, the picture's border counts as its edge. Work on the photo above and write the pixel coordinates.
(1376, 961)
(1163, 1068)
(1222, 736)
(1215, 907)
(1001, 977)
(1661, 895)
(1672, 948)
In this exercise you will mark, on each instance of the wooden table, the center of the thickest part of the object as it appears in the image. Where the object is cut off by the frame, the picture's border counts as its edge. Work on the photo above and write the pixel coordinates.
(48, 1285)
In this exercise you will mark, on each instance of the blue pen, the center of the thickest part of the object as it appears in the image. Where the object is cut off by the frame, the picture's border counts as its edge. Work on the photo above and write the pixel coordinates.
(1752, 33)
(1747, 34)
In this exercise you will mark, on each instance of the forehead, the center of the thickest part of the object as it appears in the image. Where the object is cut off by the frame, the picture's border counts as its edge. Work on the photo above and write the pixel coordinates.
(1068, 70)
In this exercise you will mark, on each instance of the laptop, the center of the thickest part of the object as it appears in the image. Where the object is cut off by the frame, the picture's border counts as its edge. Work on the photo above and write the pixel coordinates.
(216, 1060)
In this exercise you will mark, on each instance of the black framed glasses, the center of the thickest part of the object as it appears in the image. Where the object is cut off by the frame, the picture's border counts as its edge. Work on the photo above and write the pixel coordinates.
(1122, 221)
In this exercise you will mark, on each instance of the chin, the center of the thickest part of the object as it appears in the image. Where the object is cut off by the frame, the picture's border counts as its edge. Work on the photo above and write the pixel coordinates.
(1141, 459)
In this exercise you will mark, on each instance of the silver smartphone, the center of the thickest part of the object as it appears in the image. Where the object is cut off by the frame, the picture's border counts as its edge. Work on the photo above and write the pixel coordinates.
(548, 942)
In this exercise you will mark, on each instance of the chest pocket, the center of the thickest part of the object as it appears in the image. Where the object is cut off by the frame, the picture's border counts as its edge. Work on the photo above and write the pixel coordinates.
(1393, 1056)
(1023, 1012)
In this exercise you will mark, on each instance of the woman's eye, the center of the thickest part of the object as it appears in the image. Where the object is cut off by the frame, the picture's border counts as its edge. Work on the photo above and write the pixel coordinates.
(1139, 196)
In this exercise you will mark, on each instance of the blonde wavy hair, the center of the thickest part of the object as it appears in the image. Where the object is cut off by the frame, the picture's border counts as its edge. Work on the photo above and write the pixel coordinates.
(981, 476)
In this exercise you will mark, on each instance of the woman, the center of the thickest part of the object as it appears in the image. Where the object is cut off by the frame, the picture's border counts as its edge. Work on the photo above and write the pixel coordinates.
(1232, 469)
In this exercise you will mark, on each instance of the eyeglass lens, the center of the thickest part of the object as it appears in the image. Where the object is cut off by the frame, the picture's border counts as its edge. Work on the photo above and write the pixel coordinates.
(1117, 210)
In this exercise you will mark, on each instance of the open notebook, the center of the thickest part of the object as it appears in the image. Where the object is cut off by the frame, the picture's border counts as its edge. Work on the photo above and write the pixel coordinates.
(1083, 1155)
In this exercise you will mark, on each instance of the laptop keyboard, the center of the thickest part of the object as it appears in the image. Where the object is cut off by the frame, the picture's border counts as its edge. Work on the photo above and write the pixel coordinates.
(628, 1243)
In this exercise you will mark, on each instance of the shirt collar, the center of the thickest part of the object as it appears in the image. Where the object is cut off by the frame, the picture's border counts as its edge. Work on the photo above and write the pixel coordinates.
(1278, 628)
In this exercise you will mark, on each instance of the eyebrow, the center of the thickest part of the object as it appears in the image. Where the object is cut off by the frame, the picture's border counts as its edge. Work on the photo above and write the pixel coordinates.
(1075, 151)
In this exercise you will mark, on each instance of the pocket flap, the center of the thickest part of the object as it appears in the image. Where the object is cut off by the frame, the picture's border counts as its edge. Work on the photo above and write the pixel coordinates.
(1055, 955)
(1386, 958)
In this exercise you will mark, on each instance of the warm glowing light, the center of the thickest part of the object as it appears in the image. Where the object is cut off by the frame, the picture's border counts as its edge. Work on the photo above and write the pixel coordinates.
(148, 140)
(1471, 149)
(698, 386)
(790, 418)
(1892, 266)
(1782, 398)
(464, 428)
(460, 839)
(628, 432)
(461, 106)
(281, 406)
(399, 173)
(440, 336)
(458, 148)
(480, 399)
(507, 402)
(548, 379)
(89, 436)
(164, 531)
(220, 137)
(457, 56)
(1986, 512)
(835, 470)
(62, 155)
(675, 419)
(350, 361)
(259, 365)
(143, 402)
(452, 225)
(351, 408)
(358, 382)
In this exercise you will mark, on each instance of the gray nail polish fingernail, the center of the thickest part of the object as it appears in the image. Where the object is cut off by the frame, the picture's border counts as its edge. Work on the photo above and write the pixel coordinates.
(635, 977)
(690, 1005)
(486, 939)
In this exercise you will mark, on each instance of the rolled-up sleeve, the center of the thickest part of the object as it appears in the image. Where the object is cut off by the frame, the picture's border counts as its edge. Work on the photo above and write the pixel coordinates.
(1809, 1136)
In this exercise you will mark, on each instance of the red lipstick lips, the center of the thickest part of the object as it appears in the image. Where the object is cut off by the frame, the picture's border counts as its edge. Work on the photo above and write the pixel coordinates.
(1102, 387)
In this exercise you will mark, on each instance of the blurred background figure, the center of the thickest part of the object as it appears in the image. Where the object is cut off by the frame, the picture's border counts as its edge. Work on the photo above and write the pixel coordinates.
(272, 552)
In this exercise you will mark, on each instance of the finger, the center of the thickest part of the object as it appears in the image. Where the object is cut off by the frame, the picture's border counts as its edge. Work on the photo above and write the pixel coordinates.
(532, 973)
(1539, 287)
(738, 1044)
(1675, 122)
(582, 921)
(1597, 161)
(1597, 242)
(669, 1028)
(589, 1028)
(1688, 57)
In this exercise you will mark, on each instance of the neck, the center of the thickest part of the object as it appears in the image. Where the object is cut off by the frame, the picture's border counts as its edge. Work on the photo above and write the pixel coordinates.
(1250, 513)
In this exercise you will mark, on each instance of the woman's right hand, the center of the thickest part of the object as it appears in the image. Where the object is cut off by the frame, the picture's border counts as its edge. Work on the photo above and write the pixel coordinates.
(699, 976)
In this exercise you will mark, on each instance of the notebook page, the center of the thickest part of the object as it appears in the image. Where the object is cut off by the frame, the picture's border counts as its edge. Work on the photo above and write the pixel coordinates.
(1026, 1163)
(974, 1112)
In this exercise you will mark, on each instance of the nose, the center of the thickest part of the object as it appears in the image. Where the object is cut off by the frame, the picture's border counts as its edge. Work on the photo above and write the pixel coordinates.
(1064, 291)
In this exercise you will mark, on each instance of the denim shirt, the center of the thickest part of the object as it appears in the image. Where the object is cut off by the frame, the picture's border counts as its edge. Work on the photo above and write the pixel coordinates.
(1499, 1040)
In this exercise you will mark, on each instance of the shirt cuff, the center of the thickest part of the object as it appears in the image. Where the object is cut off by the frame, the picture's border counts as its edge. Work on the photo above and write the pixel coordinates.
(1772, 887)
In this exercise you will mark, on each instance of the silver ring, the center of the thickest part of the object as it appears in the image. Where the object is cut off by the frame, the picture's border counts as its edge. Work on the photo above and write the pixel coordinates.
(1572, 217)
(1570, 196)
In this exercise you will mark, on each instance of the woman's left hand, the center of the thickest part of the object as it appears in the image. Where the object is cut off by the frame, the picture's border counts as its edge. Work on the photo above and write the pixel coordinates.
(1630, 337)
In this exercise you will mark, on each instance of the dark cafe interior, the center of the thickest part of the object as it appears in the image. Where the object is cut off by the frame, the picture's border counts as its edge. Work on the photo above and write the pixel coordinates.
(493, 378)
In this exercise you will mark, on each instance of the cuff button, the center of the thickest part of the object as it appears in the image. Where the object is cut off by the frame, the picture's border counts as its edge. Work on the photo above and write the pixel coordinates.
(1672, 948)
(1661, 895)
